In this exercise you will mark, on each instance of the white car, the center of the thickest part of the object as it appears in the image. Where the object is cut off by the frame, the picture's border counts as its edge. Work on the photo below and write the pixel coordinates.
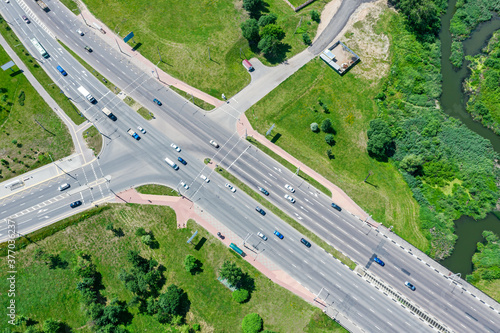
(292, 200)
(173, 145)
(261, 235)
(80, 32)
(213, 143)
(289, 188)
(205, 178)
(141, 129)
(231, 187)
(186, 186)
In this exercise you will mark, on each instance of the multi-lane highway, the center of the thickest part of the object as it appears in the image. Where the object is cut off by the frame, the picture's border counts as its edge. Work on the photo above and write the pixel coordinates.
(126, 162)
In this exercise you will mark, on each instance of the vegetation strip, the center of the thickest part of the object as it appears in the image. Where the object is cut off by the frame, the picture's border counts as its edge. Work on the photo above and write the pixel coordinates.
(157, 190)
(285, 217)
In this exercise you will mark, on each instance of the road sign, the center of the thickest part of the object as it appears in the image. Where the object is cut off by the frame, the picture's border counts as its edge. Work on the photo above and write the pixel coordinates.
(269, 130)
(191, 238)
(8, 65)
(128, 37)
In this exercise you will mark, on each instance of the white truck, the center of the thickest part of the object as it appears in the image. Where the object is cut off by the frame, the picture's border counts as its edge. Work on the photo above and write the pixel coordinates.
(108, 113)
(87, 95)
(172, 164)
(133, 134)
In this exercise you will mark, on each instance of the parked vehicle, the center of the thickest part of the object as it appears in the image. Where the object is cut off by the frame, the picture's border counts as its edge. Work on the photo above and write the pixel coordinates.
(237, 249)
(280, 236)
(213, 143)
(157, 101)
(231, 187)
(305, 242)
(248, 65)
(378, 261)
(75, 204)
(336, 207)
(180, 159)
(108, 113)
(133, 134)
(172, 164)
(289, 188)
(86, 94)
(260, 210)
(263, 190)
(409, 285)
(261, 235)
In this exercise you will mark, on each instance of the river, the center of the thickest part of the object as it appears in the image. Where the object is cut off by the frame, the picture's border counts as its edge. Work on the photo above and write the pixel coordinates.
(453, 103)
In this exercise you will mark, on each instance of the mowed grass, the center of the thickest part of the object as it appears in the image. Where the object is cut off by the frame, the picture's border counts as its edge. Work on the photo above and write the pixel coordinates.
(93, 139)
(293, 106)
(52, 89)
(51, 293)
(182, 32)
(157, 190)
(25, 144)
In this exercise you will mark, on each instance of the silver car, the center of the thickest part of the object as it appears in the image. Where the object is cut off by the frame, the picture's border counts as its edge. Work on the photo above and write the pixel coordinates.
(261, 235)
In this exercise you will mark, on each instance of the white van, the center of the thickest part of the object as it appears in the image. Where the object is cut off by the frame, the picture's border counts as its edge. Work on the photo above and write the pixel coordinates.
(64, 187)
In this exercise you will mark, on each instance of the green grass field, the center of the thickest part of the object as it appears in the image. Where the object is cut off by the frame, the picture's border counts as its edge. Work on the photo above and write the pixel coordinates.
(157, 190)
(93, 139)
(29, 132)
(184, 31)
(45, 292)
(293, 106)
(42, 77)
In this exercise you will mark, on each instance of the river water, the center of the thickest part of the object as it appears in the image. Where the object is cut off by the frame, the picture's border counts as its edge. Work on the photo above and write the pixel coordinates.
(453, 103)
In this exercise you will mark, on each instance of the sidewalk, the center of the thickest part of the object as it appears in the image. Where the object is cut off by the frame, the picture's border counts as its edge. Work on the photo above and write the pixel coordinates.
(338, 196)
(137, 59)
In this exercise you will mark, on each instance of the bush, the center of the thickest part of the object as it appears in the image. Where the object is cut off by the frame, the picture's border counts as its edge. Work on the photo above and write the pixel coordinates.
(190, 263)
(22, 97)
(140, 232)
(240, 295)
(330, 139)
(315, 16)
(109, 226)
(197, 327)
(314, 127)
(326, 126)
(306, 39)
(14, 141)
(252, 323)
(457, 54)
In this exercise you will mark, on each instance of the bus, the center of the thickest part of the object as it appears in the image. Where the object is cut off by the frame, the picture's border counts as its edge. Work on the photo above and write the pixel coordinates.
(40, 48)
(237, 249)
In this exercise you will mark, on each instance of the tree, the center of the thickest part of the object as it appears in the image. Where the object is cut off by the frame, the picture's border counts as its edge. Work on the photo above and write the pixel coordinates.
(329, 139)
(190, 263)
(411, 163)
(140, 232)
(269, 46)
(252, 6)
(137, 261)
(147, 240)
(422, 15)
(252, 323)
(379, 138)
(272, 30)
(250, 30)
(306, 38)
(326, 126)
(314, 127)
(110, 226)
(267, 19)
(52, 326)
(231, 272)
(240, 295)
(315, 16)
(169, 303)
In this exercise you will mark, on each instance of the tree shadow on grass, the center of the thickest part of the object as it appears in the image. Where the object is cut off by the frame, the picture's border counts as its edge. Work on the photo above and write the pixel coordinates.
(198, 269)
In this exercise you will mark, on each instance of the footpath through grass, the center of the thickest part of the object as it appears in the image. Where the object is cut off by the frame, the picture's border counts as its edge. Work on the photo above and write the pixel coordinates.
(51, 293)
(31, 134)
(285, 217)
(53, 90)
(349, 103)
(200, 42)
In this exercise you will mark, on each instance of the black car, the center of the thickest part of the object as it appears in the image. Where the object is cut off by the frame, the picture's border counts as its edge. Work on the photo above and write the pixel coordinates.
(180, 159)
(88, 48)
(336, 207)
(263, 190)
(75, 204)
(260, 210)
(306, 243)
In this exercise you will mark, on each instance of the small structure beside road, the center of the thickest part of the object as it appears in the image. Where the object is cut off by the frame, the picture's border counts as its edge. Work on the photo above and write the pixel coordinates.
(339, 57)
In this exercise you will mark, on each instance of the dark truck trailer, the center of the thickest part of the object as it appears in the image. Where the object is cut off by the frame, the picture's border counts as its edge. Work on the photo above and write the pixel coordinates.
(43, 5)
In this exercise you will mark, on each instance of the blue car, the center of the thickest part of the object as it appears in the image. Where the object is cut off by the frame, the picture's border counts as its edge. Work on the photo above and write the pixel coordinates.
(336, 207)
(409, 285)
(75, 204)
(180, 159)
(260, 210)
(378, 261)
(280, 236)
(157, 101)
(263, 190)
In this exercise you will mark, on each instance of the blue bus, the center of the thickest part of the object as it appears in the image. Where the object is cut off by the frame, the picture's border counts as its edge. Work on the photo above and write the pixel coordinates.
(237, 249)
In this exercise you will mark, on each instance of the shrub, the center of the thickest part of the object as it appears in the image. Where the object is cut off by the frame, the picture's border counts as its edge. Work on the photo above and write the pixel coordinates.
(22, 97)
(14, 141)
(306, 38)
(314, 127)
(330, 139)
(315, 16)
(250, 30)
(109, 226)
(140, 232)
(240, 295)
(252, 323)
(267, 19)
(196, 327)
(190, 263)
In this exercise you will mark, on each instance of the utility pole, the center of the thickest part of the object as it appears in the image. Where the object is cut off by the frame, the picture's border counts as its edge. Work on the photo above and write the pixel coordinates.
(159, 54)
(209, 54)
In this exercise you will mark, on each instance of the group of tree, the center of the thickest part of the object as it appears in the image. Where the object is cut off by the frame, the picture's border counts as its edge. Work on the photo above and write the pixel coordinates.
(236, 278)
(117, 232)
(53, 261)
(105, 318)
(423, 16)
(262, 30)
(487, 259)
(50, 325)
(327, 128)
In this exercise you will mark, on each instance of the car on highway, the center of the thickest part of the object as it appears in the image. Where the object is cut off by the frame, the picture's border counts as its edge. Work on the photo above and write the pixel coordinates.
(231, 187)
(280, 236)
(141, 129)
(409, 285)
(7, 1)
(26, 19)
(289, 188)
(61, 70)
(80, 32)
(173, 145)
(289, 198)
(261, 235)
(378, 261)
(180, 159)
(186, 186)
(263, 190)
(205, 178)
(64, 187)
(305, 242)
(157, 101)
(213, 143)
(88, 48)
(336, 207)
(75, 204)
(260, 210)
